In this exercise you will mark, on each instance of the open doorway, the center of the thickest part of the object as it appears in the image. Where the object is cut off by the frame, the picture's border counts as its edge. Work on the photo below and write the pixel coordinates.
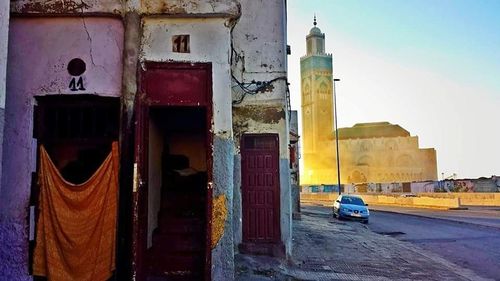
(77, 133)
(177, 193)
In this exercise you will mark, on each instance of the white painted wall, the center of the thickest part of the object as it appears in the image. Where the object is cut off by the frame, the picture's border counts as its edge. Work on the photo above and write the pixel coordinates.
(260, 37)
(210, 42)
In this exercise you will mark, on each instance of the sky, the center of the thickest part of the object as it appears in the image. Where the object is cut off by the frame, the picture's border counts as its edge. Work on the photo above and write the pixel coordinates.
(431, 66)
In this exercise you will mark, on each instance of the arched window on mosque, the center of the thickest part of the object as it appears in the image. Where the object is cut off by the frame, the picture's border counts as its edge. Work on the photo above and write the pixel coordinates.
(323, 91)
(307, 93)
(364, 160)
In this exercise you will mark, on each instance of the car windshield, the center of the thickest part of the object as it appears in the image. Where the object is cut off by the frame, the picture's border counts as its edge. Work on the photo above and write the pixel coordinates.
(352, 201)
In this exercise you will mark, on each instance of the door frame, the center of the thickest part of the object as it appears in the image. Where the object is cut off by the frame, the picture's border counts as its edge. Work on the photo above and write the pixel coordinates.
(143, 104)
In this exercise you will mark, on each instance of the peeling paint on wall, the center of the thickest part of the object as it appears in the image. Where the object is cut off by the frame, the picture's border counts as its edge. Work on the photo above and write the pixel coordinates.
(258, 119)
(66, 6)
(191, 7)
(219, 216)
(260, 114)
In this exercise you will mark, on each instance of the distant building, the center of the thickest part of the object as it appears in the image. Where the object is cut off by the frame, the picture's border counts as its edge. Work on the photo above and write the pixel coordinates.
(317, 112)
(382, 152)
(369, 152)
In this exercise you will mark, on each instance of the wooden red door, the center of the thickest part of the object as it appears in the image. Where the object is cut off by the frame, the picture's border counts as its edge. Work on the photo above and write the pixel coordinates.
(260, 188)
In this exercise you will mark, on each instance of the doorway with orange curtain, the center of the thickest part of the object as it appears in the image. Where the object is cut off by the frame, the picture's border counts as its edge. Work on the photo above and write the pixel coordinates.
(75, 191)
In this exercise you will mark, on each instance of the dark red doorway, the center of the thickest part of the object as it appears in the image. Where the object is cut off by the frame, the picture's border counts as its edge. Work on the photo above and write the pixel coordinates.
(172, 201)
(261, 194)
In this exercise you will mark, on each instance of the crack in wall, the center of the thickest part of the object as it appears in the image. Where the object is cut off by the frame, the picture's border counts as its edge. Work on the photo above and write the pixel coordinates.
(90, 40)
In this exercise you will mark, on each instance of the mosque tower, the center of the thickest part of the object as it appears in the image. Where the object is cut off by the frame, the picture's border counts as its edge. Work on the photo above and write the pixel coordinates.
(317, 111)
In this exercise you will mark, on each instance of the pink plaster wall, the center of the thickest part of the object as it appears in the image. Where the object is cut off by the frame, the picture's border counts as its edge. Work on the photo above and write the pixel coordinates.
(39, 50)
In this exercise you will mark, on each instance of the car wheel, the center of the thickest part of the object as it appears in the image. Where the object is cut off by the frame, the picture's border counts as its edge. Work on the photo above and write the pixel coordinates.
(365, 221)
(334, 213)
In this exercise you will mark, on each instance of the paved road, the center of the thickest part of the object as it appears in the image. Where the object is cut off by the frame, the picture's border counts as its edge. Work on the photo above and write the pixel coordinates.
(471, 246)
(468, 245)
(486, 216)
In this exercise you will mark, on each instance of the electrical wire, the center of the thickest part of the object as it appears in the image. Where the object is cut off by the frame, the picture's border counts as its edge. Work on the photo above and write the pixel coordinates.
(254, 87)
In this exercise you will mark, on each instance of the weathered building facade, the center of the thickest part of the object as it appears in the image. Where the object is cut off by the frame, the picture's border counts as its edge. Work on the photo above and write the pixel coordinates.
(195, 92)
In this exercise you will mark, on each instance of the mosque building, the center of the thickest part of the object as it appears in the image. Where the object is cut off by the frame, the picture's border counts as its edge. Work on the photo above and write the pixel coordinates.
(378, 152)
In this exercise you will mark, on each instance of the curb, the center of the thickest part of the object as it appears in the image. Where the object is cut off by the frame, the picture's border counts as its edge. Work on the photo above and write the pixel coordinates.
(390, 205)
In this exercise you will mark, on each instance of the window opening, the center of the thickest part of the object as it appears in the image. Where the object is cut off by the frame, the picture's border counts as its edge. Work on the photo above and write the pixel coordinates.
(77, 132)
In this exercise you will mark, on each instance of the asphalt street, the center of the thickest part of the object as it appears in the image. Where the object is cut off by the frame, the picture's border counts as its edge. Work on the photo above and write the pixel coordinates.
(472, 246)
(486, 216)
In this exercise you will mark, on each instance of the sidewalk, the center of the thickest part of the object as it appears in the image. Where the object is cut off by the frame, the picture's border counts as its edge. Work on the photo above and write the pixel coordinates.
(327, 249)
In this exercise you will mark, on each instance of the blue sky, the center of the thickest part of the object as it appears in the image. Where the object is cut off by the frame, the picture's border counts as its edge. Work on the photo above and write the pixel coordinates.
(431, 66)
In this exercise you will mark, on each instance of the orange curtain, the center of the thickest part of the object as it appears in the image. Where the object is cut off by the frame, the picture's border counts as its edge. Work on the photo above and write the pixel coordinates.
(77, 223)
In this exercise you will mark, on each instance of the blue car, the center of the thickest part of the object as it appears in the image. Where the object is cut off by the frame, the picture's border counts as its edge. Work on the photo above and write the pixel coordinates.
(351, 207)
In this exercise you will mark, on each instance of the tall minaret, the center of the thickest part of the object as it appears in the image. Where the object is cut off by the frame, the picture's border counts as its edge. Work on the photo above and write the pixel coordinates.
(317, 111)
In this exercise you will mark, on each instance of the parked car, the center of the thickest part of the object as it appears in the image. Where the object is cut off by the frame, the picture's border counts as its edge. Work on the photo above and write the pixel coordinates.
(351, 207)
